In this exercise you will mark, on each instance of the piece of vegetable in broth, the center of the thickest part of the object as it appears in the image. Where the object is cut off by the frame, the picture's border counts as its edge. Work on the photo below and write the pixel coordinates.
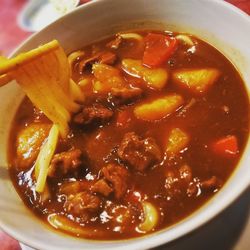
(177, 141)
(158, 49)
(226, 146)
(151, 217)
(107, 77)
(197, 81)
(159, 108)
(29, 140)
(154, 78)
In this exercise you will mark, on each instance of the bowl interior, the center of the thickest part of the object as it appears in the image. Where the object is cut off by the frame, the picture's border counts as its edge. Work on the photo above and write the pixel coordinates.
(207, 19)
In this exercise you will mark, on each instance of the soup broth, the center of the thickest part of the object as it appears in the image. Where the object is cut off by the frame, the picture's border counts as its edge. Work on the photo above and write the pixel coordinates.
(163, 126)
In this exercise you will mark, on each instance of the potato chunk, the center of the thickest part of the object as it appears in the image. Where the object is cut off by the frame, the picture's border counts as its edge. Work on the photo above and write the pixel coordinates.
(107, 77)
(154, 78)
(29, 141)
(177, 141)
(159, 108)
(197, 80)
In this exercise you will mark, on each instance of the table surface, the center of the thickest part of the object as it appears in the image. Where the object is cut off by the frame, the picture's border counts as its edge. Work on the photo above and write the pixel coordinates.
(233, 224)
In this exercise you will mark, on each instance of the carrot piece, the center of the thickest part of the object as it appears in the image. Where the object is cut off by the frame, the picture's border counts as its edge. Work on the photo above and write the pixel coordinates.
(158, 49)
(226, 146)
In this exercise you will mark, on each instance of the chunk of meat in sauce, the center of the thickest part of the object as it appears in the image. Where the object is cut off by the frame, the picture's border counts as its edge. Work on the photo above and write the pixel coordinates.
(96, 114)
(29, 141)
(125, 95)
(108, 58)
(179, 181)
(105, 57)
(74, 187)
(139, 154)
(82, 204)
(116, 177)
(102, 187)
(65, 163)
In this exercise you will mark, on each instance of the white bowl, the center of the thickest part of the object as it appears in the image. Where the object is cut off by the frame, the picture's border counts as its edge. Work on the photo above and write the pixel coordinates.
(217, 22)
(37, 14)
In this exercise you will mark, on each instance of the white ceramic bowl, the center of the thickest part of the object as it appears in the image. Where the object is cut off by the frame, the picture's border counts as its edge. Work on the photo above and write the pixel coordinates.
(217, 22)
(37, 14)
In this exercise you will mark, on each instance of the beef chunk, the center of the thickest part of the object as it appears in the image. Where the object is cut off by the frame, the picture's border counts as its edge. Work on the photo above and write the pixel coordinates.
(105, 57)
(180, 181)
(74, 187)
(102, 187)
(82, 204)
(96, 114)
(139, 154)
(125, 95)
(108, 58)
(89, 61)
(65, 163)
(116, 177)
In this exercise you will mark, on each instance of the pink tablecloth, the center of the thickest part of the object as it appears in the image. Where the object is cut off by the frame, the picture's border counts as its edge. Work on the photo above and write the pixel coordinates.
(11, 35)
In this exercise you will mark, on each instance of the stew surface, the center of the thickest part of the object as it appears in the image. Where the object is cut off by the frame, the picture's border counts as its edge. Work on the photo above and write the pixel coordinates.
(163, 126)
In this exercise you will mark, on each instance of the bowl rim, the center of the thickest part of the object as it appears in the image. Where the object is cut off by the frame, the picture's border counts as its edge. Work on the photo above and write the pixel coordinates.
(155, 239)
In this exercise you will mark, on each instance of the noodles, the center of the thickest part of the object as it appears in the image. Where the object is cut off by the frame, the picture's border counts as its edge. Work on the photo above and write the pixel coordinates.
(64, 224)
(185, 39)
(131, 36)
(4, 79)
(44, 75)
(44, 158)
(75, 56)
(150, 217)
